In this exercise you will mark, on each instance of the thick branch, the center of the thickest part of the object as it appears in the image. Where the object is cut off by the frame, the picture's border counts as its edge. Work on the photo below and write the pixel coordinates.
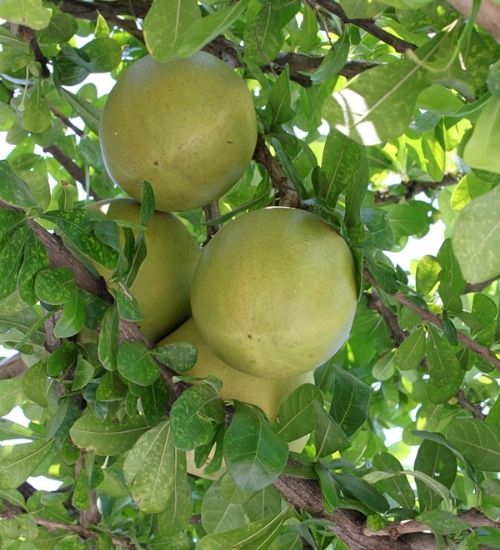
(288, 195)
(12, 367)
(367, 25)
(397, 333)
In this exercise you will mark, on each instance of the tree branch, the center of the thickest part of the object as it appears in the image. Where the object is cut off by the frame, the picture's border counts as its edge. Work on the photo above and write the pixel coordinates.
(468, 406)
(397, 333)
(12, 367)
(211, 212)
(287, 194)
(412, 188)
(367, 25)
(66, 121)
(70, 166)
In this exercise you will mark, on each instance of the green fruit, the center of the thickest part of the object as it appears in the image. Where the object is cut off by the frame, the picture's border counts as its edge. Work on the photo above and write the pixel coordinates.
(163, 281)
(266, 394)
(274, 293)
(187, 126)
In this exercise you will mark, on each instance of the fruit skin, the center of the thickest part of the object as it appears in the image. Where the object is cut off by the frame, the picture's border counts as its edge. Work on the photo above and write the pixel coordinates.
(162, 284)
(274, 293)
(266, 394)
(187, 126)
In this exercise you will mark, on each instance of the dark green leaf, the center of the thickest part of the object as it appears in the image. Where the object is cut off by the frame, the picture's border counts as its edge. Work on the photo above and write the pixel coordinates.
(350, 401)
(35, 258)
(62, 358)
(333, 61)
(254, 454)
(11, 256)
(195, 416)
(72, 318)
(127, 306)
(280, 98)
(107, 348)
(84, 372)
(105, 437)
(398, 486)
(136, 364)
(178, 356)
(329, 494)
(55, 285)
(296, 414)
(328, 435)
(363, 491)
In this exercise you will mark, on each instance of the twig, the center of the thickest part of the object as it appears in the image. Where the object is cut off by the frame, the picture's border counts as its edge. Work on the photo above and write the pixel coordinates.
(367, 25)
(468, 406)
(71, 167)
(66, 121)
(477, 287)
(397, 333)
(412, 188)
(211, 212)
(288, 195)
(29, 35)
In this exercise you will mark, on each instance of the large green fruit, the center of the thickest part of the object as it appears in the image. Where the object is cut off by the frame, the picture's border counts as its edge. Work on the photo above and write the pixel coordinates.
(266, 394)
(162, 284)
(274, 293)
(187, 126)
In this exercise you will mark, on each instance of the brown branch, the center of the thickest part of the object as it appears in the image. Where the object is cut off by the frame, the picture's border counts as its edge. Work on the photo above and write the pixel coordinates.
(211, 212)
(70, 166)
(29, 36)
(397, 333)
(66, 121)
(475, 410)
(367, 25)
(12, 367)
(288, 195)
(478, 287)
(412, 188)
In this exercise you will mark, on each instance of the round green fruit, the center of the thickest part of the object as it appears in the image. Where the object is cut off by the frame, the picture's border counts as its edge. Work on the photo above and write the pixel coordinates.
(274, 293)
(187, 126)
(162, 284)
(266, 394)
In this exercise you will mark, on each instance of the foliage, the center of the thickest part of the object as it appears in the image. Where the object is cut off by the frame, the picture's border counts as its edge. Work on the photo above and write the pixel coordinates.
(382, 117)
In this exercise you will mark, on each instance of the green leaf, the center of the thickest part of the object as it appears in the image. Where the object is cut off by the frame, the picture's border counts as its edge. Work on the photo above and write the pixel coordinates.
(204, 30)
(398, 486)
(11, 394)
(135, 363)
(280, 98)
(263, 36)
(223, 512)
(411, 351)
(363, 491)
(378, 104)
(105, 437)
(127, 306)
(88, 112)
(467, 189)
(341, 159)
(451, 280)
(72, 318)
(11, 256)
(254, 454)
(147, 204)
(107, 347)
(308, 30)
(35, 258)
(479, 442)
(296, 414)
(328, 436)
(443, 523)
(84, 372)
(36, 113)
(257, 535)
(180, 356)
(350, 401)
(30, 13)
(481, 150)
(384, 367)
(436, 486)
(333, 61)
(476, 238)
(17, 462)
(427, 276)
(62, 358)
(439, 463)
(156, 472)
(111, 388)
(104, 54)
(78, 226)
(36, 383)
(167, 24)
(195, 416)
(55, 285)
(445, 372)
(329, 494)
